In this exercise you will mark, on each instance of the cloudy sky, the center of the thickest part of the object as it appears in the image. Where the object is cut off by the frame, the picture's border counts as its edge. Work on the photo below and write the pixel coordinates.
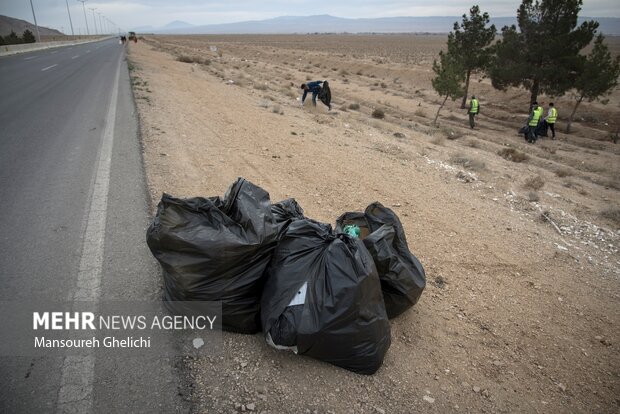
(134, 13)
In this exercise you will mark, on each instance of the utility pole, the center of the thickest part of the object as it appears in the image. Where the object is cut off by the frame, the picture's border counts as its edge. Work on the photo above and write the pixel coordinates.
(70, 22)
(85, 19)
(94, 19)
(35, 22)
(101, 24)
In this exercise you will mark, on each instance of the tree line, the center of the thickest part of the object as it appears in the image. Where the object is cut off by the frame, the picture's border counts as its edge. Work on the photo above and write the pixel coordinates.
(14, 39)
(544, 55)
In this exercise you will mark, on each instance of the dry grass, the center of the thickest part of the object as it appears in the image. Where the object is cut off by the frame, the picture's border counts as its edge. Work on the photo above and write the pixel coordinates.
(513, 155)
(378, 113)
(563, 172)
(451, 133)
(189, 59)
(612, 214)
(467, 162)
(534, 183)
(532, 196)
(354, 106)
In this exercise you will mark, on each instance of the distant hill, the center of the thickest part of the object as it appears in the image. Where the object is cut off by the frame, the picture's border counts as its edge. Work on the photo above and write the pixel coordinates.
(331, 24)
(8, 24)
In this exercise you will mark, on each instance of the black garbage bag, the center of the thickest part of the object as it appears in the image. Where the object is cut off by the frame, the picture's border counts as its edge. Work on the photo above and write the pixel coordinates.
(287, 210)
(542, 128)
(214, 249)
(323, 298)
(401, 273)
(325, 95)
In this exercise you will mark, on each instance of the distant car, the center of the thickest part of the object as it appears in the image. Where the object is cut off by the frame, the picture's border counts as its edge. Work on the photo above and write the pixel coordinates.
(132, 36)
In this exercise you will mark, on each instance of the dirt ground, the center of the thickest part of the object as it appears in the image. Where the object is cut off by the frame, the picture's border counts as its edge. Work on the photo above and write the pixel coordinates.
(521, 311)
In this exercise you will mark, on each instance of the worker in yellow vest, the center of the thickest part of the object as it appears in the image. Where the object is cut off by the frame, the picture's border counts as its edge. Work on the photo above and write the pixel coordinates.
(550, 119)
(532, 123)
(474, 109)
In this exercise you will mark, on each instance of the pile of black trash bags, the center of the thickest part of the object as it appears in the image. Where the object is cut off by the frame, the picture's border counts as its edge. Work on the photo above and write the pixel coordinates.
(309, 288)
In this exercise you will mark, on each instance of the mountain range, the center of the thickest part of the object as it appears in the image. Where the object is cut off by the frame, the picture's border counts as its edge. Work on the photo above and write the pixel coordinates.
(332, 24)
(8, 24)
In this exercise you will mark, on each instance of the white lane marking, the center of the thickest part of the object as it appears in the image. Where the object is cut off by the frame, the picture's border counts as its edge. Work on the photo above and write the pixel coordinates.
(78, 372)
(75, 57)
(31, 57)
(49, 67)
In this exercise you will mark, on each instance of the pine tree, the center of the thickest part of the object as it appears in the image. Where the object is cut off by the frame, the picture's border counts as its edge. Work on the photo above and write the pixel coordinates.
(543, 55)
(597, 76)
(449, 80)
(470, 42)
(12, 39)
(28, 37)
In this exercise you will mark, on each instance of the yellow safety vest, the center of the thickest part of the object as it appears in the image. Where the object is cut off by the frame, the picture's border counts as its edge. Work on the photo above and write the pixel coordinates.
(554, 115)
(474, 106)
(535, 118)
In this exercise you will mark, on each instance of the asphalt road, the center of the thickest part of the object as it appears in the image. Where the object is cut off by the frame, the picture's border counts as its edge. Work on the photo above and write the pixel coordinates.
(73, 215)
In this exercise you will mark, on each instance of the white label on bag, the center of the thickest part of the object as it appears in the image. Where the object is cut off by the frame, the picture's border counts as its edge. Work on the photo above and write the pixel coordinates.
(300, 296)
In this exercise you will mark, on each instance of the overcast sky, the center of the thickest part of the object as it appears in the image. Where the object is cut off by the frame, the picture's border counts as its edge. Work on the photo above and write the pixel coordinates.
(134, 13)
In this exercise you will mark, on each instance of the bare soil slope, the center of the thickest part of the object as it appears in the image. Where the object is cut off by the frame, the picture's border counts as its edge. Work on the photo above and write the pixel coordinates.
(522, 307)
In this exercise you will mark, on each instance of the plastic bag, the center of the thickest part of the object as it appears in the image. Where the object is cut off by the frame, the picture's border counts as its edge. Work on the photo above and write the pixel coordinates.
(287, 210)
(214, 249)
(323, 299)
(401, 273)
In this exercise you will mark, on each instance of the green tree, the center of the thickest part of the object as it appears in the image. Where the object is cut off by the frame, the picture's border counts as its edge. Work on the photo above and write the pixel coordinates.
(1, 40)
(470, 41)
(597, 76)
(543, 55)
(28, 37)
(449, 80)
(12, 38)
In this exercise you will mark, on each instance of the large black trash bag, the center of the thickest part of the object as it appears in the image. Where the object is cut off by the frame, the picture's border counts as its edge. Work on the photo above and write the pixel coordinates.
(401, 273)
(287, 210)
(214, 249)
(323, 298)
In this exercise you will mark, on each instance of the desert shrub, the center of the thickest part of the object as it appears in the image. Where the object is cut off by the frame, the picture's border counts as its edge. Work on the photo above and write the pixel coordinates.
(359, 73)
(563, 172)
(220, 52)
(419, 112)
(438, 140)
(260, 86)
(472, 143)
(383, 85)
(277, 110)
(532, 196)
(611, 214)
(513, 155)
(188, 59)
(343, 72)
(547, 148)
(467, 162)
(378, 113)
(354, 106)
(534, 183)
(451, 134)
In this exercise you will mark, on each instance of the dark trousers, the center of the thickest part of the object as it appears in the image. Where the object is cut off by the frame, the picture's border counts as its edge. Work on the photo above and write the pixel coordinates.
(552, 128)
(472, 120)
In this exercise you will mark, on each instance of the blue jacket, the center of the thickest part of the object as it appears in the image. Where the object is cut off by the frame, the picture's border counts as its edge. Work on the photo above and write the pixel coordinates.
(314, 87)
